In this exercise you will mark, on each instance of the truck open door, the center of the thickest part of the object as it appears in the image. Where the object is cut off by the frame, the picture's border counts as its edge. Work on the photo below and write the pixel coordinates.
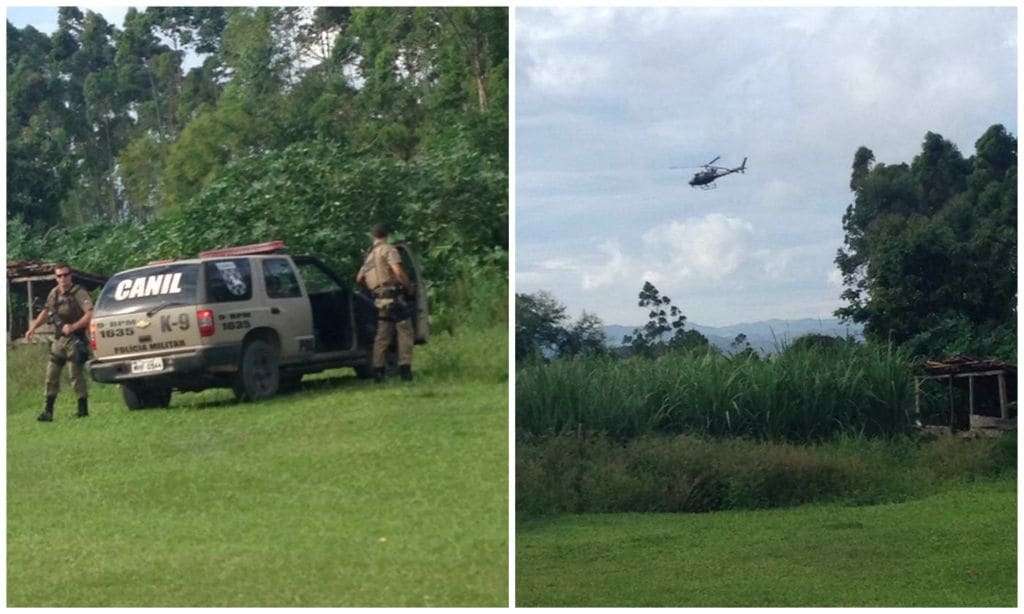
(421, 319)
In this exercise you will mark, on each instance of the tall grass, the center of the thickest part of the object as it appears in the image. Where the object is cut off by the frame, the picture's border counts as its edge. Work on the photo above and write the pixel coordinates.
(476, 299)
(797, 396)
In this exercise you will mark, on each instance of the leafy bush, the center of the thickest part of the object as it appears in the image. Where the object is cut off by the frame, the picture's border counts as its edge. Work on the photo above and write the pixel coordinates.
(479, 355)
(818, 342)
(947, 337)
(476, 298)
(320, 199)
(581, 472)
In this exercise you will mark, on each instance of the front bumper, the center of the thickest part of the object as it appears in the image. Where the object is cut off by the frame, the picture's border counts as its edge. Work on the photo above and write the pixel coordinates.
(176, 365)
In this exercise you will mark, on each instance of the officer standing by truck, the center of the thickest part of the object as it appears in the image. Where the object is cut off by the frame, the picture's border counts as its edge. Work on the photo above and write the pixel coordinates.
(383, 275)
(69, 309)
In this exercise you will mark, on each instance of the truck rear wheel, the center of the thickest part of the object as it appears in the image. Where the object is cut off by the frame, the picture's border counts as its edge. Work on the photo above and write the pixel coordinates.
(139, 396)
(258, 374)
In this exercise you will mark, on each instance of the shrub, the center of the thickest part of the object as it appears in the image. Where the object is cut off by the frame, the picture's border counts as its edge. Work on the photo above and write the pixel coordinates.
(587, 472)
(319, 198)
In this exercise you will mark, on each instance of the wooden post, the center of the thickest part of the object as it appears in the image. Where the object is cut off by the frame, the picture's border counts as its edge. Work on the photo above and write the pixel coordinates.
(917, 397)
(1004, 409)
(970, 393)
(31, 316)
(952, 411)
(10, 314)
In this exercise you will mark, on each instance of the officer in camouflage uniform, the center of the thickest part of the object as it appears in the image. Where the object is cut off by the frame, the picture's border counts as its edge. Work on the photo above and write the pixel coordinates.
(383, 275)
(69, 308)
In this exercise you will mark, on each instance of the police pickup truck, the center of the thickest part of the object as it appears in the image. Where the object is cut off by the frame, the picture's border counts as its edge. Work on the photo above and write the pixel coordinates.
(252, 318)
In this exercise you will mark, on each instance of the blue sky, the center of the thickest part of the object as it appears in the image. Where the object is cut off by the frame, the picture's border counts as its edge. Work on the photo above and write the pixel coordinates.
(44, 18)
(608, 99)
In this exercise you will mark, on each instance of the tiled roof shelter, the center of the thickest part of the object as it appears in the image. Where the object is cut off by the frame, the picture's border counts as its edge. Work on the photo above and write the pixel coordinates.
(28, 284)
(991, 390)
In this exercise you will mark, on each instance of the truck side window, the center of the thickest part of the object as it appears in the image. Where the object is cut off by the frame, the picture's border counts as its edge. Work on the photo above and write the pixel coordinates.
(280, 279)
(228, 280)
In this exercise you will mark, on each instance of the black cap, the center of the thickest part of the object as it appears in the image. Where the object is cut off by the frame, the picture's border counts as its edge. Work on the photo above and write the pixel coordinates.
(379, 231)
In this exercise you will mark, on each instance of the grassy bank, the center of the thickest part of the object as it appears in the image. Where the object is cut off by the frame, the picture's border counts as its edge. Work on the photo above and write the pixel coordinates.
(953, 549)
(797, 396)
(343, 493)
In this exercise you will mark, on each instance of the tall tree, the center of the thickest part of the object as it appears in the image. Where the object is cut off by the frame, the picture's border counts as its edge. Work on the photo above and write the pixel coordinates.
(932, 245)
(39, 172)
(540, 320)
(663, 318)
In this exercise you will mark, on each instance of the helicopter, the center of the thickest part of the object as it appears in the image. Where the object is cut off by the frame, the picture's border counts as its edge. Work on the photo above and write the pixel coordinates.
(704, 179)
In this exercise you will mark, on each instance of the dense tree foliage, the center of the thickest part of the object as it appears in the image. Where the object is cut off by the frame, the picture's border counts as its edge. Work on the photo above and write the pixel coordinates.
(302, 124)
(930, 253)
(544, 330)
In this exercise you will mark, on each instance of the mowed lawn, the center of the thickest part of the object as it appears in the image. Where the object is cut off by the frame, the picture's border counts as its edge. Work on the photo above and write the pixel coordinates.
(344, 493)
(957, 548)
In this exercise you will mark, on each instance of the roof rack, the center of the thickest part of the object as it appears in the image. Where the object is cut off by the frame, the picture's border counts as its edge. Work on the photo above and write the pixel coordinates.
(270, 247)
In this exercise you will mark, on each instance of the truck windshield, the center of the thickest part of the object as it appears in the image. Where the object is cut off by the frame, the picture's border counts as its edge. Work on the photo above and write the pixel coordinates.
(145, 289)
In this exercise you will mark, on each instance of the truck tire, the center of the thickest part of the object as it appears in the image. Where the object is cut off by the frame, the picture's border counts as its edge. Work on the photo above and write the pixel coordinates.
(290, 383)
(160, 397)
(132, 397)
(258, 374)
(138, 396)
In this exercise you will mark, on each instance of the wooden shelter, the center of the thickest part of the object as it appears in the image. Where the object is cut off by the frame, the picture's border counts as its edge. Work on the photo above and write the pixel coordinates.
(991, 394)
(28, 284)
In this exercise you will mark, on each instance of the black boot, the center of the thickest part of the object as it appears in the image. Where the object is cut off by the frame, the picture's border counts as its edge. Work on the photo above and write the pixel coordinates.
(406, 372)
(83, 408)
(47, 415)
(378, 375)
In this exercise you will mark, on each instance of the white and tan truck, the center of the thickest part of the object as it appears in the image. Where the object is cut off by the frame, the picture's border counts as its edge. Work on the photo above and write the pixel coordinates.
(251, 318)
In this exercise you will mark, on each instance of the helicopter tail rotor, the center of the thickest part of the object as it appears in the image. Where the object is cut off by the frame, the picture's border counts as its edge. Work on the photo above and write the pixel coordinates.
(743, 167)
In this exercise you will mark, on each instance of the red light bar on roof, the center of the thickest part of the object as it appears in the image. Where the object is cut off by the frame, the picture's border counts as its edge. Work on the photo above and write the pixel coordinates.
(269, 247)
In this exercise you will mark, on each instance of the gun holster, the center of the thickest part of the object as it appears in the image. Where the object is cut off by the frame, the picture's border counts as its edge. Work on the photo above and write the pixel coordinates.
(402, 308)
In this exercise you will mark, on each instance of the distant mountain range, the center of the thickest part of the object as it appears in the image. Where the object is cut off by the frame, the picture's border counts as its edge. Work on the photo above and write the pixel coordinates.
(766, 336)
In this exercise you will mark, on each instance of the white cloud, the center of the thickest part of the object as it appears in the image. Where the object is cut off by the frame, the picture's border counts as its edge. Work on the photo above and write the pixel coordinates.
(834, 278)
(609, 272)
(774, 265)
(701, 249)
(557, 264)
(560, 75)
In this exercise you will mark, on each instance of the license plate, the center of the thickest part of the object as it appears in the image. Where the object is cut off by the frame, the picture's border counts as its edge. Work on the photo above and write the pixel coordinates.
(147, 365)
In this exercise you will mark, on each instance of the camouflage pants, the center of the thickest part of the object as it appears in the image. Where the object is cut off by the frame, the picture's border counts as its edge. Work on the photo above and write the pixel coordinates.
(62, 351)
(386, 329)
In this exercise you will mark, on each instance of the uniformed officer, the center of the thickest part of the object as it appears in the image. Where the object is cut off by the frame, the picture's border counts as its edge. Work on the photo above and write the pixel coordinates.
(69, 307)
(383, 275)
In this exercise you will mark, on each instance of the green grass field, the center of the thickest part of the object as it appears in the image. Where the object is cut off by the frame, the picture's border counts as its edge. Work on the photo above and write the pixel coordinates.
(343, 493)
(956, 548)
